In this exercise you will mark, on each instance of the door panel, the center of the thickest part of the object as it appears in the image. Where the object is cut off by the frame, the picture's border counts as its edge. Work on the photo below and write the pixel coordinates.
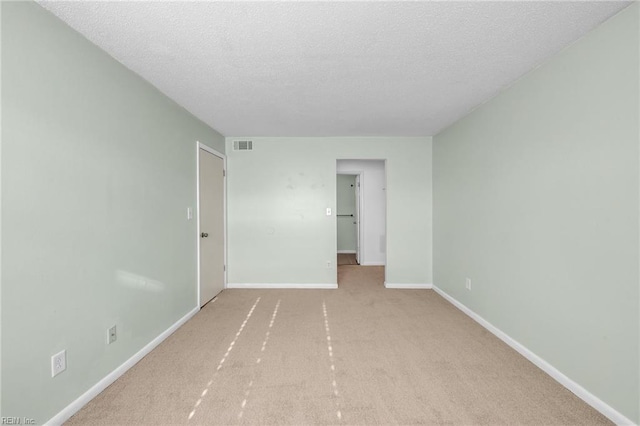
(357, 218)
(211, 217)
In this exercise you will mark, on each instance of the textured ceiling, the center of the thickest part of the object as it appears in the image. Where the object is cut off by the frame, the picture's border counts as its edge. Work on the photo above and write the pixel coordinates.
(332, 68)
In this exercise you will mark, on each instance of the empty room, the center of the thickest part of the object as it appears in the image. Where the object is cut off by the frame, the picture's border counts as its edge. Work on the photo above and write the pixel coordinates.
(320, 213)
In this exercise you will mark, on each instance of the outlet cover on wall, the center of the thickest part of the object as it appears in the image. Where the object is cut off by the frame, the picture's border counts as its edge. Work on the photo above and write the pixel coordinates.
(58, 363)
(467, 283)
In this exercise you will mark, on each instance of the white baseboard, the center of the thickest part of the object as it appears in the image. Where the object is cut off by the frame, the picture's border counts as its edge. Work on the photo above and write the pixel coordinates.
(346, 252)
(76, 405)
(371, 263)
(408, 285)
(606, 410)
(282, 285)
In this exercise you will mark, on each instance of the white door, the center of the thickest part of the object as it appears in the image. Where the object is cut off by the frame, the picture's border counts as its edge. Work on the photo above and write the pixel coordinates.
(211, 217)
(357, 218)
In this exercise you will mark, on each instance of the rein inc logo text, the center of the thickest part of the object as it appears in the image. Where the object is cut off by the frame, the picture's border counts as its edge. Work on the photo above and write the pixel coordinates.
(17, 421)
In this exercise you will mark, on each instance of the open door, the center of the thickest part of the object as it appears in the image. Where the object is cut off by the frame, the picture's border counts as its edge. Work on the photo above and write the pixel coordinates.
(211, 236)
(356, 218)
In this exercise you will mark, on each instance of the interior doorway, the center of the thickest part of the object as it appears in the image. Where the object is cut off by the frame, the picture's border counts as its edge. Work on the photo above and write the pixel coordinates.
(361, 205)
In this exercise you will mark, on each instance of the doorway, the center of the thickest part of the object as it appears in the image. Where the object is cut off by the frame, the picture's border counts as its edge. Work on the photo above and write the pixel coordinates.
(211, 223)
(361, 205)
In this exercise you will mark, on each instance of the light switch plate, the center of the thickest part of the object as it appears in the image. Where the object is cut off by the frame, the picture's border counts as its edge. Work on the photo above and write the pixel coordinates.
(328, 211)
(112, 335)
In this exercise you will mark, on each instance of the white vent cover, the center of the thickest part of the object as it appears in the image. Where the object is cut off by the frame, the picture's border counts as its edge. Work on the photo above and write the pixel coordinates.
(242, 145)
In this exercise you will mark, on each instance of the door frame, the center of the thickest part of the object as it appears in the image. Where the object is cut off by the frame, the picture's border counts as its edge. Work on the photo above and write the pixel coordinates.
(385, 162)
(210, 150)
(360, 206)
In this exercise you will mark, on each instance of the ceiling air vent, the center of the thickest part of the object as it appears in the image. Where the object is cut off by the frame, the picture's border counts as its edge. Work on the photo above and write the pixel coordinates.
(242, 145)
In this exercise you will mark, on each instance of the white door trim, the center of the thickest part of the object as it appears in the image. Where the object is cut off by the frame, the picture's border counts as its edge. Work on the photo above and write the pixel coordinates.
(385, 161)
(200, 146)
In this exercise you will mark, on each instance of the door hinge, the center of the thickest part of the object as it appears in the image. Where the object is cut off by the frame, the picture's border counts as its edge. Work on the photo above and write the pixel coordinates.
(224, 173)
(224, 268)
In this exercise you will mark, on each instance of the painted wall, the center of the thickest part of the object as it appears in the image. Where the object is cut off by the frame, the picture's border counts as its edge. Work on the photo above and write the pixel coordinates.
(346, 205)
(98, 169)
(373, 211)
(536, 200)
(277, 197)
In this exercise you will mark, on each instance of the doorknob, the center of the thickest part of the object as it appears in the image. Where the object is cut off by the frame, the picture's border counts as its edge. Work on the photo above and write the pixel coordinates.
(204, 235)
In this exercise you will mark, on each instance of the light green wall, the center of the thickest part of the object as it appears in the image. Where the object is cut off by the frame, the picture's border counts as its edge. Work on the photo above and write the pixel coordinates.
(278, 193)
(346, 204)
(536, 200)
(98, 169)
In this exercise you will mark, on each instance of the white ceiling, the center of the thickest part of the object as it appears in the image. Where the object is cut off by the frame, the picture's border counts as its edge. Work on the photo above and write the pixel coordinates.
(332, 68)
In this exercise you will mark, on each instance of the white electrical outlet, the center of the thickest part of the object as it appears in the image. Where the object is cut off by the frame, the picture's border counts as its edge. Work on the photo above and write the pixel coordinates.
(189, 213)
(112, 335)
(467, 283)
(328, 264)
(58, 363)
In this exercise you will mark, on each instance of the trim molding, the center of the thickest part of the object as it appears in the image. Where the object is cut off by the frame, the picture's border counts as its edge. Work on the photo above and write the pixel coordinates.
(282, 285)
(372, 263)
(408, 285)
(604, 408)
(76, 405)
(346, 252)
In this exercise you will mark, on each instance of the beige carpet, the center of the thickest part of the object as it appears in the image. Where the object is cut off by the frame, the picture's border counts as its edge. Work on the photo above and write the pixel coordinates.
(361, 354)
(346, 259)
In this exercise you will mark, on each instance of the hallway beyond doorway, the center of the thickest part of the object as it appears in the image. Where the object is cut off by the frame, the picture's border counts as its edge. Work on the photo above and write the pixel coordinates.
(347, 259)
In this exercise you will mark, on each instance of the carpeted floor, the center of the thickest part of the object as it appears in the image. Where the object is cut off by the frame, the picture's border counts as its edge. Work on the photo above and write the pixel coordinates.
(361, 354)
(346, 259)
